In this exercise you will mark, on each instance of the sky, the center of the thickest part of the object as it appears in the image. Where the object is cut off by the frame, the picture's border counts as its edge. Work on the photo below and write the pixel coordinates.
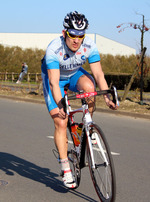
(46, 16)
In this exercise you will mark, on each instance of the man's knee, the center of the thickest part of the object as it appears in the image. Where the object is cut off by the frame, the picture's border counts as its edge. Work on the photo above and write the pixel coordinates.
(86, 83)
(90, 87)
(60, 124)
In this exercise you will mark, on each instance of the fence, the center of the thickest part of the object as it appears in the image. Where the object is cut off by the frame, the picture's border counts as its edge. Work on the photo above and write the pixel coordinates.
(11, 76)
(119, 80)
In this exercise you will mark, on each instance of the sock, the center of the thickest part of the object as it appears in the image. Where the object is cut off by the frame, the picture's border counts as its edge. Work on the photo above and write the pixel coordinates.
(65, 164)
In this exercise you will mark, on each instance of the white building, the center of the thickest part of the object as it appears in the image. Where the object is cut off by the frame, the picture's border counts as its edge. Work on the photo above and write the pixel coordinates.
(41, 41)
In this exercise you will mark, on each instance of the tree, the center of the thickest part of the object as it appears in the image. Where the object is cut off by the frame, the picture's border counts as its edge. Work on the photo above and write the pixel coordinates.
(143, 28)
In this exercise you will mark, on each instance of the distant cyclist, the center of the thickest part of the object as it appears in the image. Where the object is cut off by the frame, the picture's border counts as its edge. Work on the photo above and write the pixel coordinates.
(23, 72)
(61, 65)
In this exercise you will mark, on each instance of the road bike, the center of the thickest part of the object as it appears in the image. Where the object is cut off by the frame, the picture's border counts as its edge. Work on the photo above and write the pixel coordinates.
(87, 145)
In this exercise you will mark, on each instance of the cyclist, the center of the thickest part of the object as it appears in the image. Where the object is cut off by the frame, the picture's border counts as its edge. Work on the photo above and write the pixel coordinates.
(61, 65)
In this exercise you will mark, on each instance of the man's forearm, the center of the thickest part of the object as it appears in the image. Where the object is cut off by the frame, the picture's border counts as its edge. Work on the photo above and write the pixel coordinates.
(57, 95)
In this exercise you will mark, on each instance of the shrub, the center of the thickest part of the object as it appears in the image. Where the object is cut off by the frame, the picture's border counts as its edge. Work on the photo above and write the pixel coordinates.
(12, 57)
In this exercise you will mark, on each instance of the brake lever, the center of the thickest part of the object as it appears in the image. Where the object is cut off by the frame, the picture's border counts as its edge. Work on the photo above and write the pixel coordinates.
(63, 102)
(115, 96)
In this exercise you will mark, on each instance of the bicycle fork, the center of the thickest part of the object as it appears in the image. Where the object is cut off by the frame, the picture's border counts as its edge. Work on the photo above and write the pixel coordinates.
(100, 148)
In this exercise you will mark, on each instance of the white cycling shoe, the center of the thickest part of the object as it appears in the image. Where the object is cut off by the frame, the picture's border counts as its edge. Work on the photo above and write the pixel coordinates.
(68, 179)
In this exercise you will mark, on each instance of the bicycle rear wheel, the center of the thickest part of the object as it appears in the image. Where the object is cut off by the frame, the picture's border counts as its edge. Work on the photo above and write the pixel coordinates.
(103, 173)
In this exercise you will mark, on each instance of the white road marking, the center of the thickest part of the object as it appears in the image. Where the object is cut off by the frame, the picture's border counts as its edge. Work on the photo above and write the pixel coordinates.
(51, 137)
(113, 153)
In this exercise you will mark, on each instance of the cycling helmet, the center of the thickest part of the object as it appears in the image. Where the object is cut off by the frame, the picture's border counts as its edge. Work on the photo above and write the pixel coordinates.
(75, 23)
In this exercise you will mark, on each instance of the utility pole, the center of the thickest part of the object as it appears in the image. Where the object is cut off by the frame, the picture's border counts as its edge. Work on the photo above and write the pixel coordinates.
(142, 29)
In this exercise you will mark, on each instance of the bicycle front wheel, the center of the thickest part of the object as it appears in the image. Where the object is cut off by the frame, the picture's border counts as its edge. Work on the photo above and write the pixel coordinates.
(101, 165)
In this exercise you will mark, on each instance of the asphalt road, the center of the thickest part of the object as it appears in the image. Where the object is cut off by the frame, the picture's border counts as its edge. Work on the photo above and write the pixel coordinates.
(29, 172)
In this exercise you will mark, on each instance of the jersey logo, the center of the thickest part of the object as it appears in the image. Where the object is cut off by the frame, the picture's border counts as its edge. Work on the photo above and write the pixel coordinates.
(84, 49)
(83, 57)
(66, 56)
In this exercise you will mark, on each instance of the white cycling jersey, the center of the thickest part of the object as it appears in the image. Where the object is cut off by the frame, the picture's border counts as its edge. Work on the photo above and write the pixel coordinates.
(59, 56)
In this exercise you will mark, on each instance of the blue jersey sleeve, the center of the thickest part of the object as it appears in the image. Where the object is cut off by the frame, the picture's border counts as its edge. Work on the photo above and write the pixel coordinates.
(53, 65)
(94, 54)
(94, 58)
(52, 61)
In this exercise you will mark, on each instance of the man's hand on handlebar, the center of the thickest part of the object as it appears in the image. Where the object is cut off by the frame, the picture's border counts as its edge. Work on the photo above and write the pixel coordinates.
(61, 114)
(110, 103)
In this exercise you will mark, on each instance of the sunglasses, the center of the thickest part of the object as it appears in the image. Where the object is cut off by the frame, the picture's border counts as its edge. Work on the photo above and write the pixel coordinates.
(71, 36)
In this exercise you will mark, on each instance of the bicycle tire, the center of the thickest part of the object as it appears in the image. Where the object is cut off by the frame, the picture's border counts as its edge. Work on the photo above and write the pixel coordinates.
(73, 159)
(103, 175)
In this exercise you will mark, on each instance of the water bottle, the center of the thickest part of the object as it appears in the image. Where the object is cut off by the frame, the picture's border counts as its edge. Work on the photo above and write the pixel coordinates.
(75, 134)
(79, 129)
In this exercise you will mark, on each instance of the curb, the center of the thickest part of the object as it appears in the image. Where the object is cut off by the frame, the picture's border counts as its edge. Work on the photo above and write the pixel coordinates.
(123, 113)
(22, 99)
(114, 112)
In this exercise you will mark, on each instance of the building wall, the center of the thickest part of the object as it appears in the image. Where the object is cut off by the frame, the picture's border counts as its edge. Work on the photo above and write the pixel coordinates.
(41, 41)
(108, 46)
